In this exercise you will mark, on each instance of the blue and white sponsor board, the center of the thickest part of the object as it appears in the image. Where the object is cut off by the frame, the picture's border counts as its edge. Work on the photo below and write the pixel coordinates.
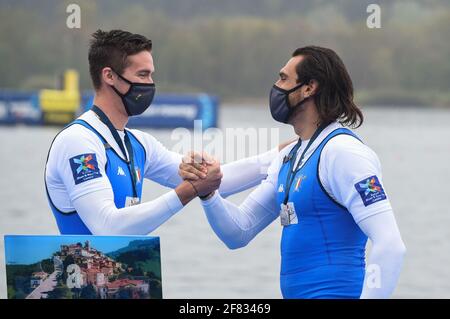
(19, 108)
(166, 111)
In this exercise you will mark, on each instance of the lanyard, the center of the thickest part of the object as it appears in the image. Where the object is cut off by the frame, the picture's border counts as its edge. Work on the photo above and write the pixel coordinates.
(292, 173)
(130, 161)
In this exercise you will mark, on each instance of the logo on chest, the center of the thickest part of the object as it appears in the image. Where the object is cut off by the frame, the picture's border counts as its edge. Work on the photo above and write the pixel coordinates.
(137, 173)
(280, 188)
(120, 171)
(298, 183)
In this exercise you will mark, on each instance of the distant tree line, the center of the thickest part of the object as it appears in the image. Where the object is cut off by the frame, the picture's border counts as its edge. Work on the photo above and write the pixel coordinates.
(235, 48)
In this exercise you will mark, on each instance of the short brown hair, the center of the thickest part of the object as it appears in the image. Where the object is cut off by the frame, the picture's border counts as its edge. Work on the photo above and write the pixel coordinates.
(334, 99)
(111, 49)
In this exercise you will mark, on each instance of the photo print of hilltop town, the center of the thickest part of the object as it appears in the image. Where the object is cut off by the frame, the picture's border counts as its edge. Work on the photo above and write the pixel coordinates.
(83, 267)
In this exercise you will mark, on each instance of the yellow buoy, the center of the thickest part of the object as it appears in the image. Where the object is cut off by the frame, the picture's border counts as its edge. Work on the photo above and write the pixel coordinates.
(60, 106)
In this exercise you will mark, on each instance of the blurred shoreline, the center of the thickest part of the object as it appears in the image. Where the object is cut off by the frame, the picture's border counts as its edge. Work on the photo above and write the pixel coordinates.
(258, 102)
(365, 98)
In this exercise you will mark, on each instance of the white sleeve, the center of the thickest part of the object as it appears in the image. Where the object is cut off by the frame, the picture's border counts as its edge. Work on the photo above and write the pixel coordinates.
(235, 225)
(245, 173)
(77, 159)
(351, 174)
(101, 216)
(92, 195)
(386, 256)
(162, 167)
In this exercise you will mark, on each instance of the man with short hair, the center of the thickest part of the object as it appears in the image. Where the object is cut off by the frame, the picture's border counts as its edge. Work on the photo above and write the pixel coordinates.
(96, 166)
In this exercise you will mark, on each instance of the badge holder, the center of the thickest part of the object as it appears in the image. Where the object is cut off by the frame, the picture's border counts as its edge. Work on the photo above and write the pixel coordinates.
(131, 201)
(288, 216)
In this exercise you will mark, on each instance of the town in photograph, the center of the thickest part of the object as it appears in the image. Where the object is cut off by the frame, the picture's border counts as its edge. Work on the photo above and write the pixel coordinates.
(83, 267)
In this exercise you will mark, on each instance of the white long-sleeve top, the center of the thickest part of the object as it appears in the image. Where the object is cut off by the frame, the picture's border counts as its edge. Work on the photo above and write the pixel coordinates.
(344, 162)
(93, 199)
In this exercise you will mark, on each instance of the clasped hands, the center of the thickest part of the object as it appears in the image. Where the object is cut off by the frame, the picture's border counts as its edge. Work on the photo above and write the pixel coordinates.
(202, 171)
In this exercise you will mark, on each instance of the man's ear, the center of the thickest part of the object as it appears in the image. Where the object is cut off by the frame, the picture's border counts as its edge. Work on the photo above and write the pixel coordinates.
(108, 75)
(311, 88)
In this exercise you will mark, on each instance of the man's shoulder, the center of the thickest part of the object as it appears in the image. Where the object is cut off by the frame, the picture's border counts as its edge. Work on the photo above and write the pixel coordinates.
(75, 136)
(74, 132)
(346, 142)
(348, 149)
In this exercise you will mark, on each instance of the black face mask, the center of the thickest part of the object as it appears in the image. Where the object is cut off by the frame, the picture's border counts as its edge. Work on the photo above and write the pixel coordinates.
(280, 107)
(138, 97)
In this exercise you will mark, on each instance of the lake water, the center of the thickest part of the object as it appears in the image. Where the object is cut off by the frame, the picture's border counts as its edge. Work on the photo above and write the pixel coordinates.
(412, 144)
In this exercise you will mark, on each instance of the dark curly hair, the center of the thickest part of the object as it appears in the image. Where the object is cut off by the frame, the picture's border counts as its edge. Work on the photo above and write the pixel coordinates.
(111, 49)
(334, 99)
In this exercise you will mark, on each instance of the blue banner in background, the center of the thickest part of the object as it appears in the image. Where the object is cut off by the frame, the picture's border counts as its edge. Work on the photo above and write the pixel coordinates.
(20, 108)
(166, 111)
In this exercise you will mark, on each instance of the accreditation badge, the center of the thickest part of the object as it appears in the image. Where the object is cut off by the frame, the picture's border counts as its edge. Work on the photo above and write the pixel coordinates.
(131, 201)
(288, 216)
(284, 216)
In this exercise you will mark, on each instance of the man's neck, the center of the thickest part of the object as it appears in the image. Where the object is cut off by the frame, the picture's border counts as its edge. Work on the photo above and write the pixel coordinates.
(306, 132)
(112, 107)
(306, 122)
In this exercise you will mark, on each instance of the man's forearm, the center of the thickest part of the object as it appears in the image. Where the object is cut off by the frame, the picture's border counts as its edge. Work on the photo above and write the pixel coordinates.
(220, 217)
(235, 225)
(383, 270)
(185, 192)
(386, 256)
(100, 214)
(245, 173)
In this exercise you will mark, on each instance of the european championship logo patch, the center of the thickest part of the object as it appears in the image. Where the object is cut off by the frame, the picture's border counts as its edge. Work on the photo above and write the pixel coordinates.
(84, 168)
(370, 190)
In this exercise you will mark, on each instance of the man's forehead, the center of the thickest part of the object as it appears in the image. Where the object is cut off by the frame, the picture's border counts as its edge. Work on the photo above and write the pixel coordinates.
(142, 60)
(290, 65)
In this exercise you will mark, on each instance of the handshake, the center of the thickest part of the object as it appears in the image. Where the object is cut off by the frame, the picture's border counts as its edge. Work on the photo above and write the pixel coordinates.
(202, 172)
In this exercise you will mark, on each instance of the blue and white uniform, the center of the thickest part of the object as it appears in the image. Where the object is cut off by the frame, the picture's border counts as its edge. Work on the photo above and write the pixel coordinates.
(326, 246)
(338, 201)
(89, 184)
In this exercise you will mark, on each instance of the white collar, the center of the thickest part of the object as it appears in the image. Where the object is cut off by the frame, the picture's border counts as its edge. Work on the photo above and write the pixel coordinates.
(91, 118)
